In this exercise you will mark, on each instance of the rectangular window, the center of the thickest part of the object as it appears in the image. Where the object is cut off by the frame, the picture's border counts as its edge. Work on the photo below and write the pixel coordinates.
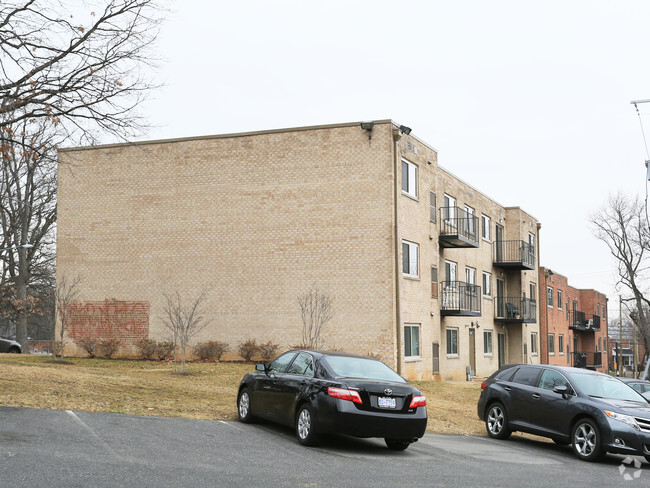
(599, 343)
(533, 342)
(469, 220)
(531, 242)
(434, 282)
(487, 284)
(567, 310)
(411, 341)
(452, 341)
(549, 296)
(450, 210)
(470, 279)
(409, 179)
(485, 227)
(598, 310)
(432, 207)
(551, 344)
(410, 259)
(560, 344)
(533, 291)
(559, 299)
(487, 342)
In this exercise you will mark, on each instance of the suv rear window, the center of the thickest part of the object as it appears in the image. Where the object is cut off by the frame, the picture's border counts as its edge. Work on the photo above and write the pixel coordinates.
(526, 376)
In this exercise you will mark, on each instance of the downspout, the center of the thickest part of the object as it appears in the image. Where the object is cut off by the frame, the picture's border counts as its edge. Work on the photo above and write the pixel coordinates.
(397, 134)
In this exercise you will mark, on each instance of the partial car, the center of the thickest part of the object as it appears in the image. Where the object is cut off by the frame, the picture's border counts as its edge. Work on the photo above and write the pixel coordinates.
(593, 412)
(7, 345)
(322, 392)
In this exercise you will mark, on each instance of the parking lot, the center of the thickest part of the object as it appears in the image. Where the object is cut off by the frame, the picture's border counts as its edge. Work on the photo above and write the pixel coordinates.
(65, 448)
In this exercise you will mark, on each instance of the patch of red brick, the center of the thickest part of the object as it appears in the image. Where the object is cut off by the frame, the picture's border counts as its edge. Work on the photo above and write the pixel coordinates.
(127, 321)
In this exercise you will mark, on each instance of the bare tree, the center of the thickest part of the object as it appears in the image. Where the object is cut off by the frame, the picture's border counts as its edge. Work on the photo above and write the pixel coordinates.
(622, 225)
(78, 64)
(184, 320)
(67, 291)
(316, 311)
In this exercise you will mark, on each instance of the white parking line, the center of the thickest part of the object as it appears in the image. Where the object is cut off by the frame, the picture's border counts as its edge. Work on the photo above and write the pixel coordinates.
(94, 434)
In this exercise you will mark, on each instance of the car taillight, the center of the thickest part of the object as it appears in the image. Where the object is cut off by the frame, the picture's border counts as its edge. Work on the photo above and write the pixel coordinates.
(418, 401)
(483, 385)
(344, 394)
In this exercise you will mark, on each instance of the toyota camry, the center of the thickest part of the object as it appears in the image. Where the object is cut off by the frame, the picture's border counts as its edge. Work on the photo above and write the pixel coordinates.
(319, 392)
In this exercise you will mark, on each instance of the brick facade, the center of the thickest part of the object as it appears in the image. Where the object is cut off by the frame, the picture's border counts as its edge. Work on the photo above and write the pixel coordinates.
(258, 218)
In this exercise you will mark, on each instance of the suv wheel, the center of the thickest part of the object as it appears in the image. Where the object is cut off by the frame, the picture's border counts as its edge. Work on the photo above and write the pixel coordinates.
(496, 422)
(587, 443)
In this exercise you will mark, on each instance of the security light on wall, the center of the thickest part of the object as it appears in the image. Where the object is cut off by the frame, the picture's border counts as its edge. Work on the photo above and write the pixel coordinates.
(405, 130)
(367, 125)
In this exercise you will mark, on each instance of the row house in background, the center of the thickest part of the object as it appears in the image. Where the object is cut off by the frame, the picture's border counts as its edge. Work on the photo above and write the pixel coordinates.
(573, 324)
(425, 271)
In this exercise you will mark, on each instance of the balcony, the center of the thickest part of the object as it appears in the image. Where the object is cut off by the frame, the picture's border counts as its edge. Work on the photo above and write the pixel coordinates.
(458, 228)
(588, 360)
(581, 321)
(514, 255)
(460, 299)
(518, 310)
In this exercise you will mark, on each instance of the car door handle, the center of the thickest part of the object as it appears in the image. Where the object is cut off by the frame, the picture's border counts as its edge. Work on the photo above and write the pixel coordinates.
(507, 388)
(536, 396)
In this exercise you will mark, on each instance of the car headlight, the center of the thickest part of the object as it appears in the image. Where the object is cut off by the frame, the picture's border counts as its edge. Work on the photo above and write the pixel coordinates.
(626, 419)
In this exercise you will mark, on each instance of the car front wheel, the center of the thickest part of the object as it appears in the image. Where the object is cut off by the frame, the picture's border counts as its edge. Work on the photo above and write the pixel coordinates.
(244, 406)
(396, 444)
(305, 426)
(587, 443)
(496, 422)
(14, 350)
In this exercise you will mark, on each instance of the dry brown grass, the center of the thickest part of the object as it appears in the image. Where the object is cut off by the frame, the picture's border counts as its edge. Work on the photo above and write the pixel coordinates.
(208, 391)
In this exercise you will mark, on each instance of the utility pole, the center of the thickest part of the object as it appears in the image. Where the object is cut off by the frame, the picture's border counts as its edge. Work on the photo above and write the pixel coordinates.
(619, 355)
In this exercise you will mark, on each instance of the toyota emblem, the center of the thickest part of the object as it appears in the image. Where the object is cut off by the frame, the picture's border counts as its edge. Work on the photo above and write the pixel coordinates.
(388, 392)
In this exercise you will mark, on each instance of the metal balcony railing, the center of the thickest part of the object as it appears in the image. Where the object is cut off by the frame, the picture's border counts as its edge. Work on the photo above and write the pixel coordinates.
(458, 228)
(460, 298)
(587, 360)
(583, 322)
(514, 254)
(515, 309)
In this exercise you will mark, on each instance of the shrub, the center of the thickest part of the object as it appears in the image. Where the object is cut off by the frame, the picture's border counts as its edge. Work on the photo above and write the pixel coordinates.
(89, 345)
(107, 348)
(164, 350)
(147, 348)
(248, 349)
(268, 351)
(210, 350)
(57, 347)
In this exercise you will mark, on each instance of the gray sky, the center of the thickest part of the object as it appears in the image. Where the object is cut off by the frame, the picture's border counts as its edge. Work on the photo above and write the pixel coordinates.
(528, 101)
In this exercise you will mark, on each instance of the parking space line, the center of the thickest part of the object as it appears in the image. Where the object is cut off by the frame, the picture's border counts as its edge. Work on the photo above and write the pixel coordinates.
(94, 434)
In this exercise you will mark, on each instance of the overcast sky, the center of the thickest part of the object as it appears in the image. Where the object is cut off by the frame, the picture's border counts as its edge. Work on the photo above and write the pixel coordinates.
(528, 101)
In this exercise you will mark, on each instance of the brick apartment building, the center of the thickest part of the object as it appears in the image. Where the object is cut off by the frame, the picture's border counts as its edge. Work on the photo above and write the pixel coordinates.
(425, 271)
(573, 324)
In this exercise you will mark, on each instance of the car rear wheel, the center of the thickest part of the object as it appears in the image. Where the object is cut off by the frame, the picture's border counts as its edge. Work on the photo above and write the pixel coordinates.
(305, 426)
(587, 443)
(496, 422)
(396, 444)
(244, 406)
(13, 350)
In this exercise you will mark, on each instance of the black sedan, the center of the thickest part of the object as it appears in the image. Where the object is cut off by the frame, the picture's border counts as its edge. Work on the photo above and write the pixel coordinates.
(319, 392)
(594, 412)
(7, 345)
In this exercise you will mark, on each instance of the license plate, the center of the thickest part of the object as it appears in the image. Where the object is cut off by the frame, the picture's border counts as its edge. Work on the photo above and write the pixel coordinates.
(385, 402)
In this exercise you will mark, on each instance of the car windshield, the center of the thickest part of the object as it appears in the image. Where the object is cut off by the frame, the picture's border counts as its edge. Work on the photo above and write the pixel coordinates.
(601, 386)
(370, 369)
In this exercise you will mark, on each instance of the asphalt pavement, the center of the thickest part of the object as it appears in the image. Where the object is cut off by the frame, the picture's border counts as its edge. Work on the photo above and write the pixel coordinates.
(83, 449)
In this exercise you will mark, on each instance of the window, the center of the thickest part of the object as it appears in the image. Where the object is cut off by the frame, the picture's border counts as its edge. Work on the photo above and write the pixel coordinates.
(559, 299)
(531, 242)
(452, 341)
(432, 207)
(434, 282)
(526, 376)
(551, 379)
(281, 363)
(450, 271)
(598, 310)
(487, 342)
(485, 227)
(450, 210)
(487, 284)
(567, 310)
(409, 179)
(411, 341)
(533, 291)
(551, 344)
(549, 296)
(533, 342)
(469, 220)
(410, 259)
(470, 279)
(560, 344)
(302, 365)
(599, 343)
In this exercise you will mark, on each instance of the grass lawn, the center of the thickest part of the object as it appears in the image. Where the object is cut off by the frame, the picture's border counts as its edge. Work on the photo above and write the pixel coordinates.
(207, 392)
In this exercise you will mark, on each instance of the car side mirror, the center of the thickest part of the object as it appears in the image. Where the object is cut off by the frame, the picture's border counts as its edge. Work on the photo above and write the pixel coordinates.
(562, 390)
(260, 367)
